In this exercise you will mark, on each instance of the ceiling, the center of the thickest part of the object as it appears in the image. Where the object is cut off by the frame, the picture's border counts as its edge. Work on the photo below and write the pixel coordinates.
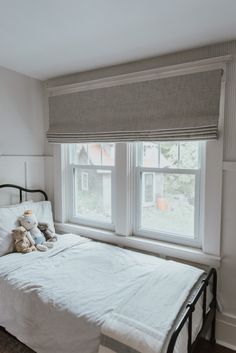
(48, 38)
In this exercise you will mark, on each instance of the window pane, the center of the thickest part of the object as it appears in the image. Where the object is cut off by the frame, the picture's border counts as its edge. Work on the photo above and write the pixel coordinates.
(150, 154)
(93, 194)
(169, 154)
(168, 203)
(189, 155)
(178, 155)
(101, 154)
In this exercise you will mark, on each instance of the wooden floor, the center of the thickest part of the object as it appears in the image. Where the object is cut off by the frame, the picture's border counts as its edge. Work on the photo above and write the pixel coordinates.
(206, 347)
(9, 344)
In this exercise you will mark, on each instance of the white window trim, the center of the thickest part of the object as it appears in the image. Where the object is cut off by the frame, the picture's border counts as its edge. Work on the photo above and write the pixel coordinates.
(139, 76)
(212, 207)
(155, 247)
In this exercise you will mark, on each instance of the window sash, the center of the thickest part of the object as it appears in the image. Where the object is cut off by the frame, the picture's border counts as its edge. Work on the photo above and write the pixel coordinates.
(161, 235)
(138, 193)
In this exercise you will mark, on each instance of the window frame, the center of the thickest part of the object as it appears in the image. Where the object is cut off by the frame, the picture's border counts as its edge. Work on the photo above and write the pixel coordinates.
(198, 204)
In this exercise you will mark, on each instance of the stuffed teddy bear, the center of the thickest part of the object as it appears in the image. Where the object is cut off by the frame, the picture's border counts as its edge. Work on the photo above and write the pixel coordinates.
(22, 243)
(49, 234)
(30, 223)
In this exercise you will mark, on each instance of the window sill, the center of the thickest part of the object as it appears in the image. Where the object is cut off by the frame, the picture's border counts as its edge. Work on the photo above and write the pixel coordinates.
(143, 244)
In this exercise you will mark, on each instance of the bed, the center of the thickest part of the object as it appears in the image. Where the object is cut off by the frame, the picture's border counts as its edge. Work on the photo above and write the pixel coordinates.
(87, 297)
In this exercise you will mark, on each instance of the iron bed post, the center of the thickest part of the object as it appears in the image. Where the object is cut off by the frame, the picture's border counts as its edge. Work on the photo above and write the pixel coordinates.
(207, 317)
(20, 195)
(190, 329)
(204, 302)
(214, 305)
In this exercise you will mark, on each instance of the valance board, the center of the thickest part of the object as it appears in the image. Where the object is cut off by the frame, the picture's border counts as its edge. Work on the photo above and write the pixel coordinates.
(182, 107)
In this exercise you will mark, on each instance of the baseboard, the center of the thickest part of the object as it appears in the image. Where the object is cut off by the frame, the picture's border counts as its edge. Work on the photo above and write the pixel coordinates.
(225, 344)
(226, 331)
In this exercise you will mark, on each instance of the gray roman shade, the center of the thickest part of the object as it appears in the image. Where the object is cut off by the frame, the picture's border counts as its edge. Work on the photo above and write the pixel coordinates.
(175, 108)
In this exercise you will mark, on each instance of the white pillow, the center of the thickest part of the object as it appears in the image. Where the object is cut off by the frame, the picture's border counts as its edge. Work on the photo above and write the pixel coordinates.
(9, 214)
(6, 242)
(9, 220)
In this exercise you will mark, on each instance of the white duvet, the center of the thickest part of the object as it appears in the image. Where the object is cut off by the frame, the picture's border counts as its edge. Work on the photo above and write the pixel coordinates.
(56, 302)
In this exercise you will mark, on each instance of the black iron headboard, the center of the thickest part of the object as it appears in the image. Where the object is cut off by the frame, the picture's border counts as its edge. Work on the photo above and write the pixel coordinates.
(20, 188)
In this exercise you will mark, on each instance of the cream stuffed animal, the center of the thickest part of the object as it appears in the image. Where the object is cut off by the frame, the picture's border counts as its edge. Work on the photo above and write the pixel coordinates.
(30, 223)
(21, 240)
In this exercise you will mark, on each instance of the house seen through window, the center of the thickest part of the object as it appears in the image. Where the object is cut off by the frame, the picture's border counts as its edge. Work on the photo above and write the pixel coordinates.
(92, 178)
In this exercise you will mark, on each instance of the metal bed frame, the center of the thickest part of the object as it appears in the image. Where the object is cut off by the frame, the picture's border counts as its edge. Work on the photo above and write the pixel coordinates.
(20, 188)
(208, 313)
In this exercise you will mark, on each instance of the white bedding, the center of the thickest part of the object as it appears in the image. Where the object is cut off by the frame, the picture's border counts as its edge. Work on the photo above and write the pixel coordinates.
(144, 321)
(56, 302)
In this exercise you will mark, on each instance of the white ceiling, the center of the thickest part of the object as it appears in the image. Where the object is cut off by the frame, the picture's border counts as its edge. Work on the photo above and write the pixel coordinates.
(48, 38)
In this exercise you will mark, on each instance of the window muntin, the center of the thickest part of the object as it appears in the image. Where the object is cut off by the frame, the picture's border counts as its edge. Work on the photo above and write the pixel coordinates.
(92, 173)
(173, 213)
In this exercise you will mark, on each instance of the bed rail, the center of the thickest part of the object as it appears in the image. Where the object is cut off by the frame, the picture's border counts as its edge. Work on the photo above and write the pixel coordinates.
(208, 316)
(21, 189)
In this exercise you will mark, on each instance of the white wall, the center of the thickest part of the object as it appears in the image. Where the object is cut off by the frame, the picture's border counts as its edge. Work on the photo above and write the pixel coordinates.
(21, 114)
(226, 323)
(22, 131)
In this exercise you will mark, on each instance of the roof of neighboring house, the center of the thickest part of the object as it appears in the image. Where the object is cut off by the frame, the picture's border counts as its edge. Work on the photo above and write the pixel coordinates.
(151, 156)
(98, 154)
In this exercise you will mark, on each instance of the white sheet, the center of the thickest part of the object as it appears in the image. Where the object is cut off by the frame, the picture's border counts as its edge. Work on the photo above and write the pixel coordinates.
(144, 320)
(58, 300)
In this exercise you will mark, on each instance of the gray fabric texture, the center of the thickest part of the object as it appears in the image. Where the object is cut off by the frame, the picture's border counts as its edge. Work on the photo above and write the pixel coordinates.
(174, 108)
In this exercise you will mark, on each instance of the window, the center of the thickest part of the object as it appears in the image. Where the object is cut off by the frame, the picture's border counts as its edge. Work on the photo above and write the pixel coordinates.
(163, 184)
(168, 180)
(92, 172)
